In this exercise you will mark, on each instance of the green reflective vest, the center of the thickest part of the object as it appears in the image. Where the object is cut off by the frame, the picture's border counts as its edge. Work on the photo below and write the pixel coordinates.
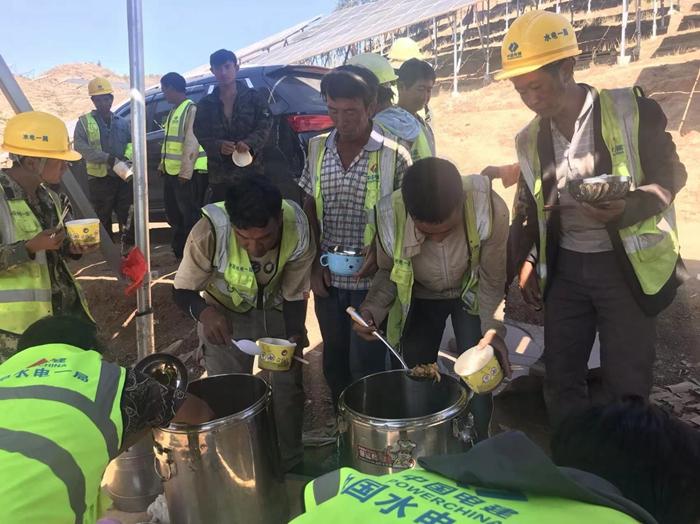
(651, 245)
(98, 169)
(25, 290)
(421, 147)
(347, 496)
(234, 285)
(381, 169)
(391, 225)
(171, 150)
(88, 122)
(60, 425)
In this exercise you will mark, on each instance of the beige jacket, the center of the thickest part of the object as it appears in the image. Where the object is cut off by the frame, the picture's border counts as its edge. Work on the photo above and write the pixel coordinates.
(438, 269)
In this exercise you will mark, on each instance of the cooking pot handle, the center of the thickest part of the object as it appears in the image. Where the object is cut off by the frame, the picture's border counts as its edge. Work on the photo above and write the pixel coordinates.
(342, 423)
(157, 451)
(463, 429)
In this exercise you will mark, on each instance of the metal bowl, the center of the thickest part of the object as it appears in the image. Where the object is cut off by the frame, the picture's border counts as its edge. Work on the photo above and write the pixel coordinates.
(600, 188)
(347, 251)
(166, 369)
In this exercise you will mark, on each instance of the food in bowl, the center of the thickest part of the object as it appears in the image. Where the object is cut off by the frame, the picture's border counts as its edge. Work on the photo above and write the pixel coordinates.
(599, 188)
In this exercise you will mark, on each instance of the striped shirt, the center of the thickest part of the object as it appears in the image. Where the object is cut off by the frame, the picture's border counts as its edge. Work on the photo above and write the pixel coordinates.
(344, 214)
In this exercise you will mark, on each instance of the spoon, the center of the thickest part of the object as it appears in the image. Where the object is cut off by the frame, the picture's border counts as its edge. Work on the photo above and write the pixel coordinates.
(358, 318)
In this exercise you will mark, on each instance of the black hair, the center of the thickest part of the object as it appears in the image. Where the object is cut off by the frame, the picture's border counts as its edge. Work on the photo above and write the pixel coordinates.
(252, 201)
(554, 67)
(174, 80)
(385, 95)
(350, 81)
(650, 456)
(61, 329)
(413, 70)
(432, 189)
(220, 57)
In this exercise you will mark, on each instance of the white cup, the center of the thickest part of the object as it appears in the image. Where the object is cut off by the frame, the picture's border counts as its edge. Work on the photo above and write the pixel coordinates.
(123, 170)
(242, 159)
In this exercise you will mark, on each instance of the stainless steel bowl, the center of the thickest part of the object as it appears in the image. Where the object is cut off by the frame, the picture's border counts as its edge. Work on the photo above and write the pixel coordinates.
(166, 369)
(347, 251)
(600, 188)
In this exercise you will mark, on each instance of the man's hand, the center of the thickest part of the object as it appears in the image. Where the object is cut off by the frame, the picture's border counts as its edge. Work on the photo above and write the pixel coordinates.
(227, 147)
(242, 147)
(320, 279)
(47, 240)
(216, 328)
(605, 211)
(508, 174)
(75, 249)
(492, 339)
(369, 266)
(362, 331)
(193, 411)
(529, 286)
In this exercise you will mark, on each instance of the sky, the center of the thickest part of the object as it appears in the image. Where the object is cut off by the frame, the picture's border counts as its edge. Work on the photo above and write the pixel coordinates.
(178, 35)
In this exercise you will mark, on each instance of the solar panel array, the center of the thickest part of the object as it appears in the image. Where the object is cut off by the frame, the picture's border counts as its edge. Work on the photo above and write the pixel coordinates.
(354, 24)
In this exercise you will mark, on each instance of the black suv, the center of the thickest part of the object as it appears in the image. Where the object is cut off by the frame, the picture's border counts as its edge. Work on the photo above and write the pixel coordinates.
(299, 112)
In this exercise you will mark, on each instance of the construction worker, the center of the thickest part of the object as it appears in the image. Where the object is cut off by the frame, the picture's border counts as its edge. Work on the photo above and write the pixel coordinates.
(401, 50)
(65, 413)
(416, 79)
(610, 267)
(34, 278)
(103, 139)
(183, 161)
(245, 275)
(394, 119)
(232, 119)
(623, 463)
(441, 251)
(348, 170)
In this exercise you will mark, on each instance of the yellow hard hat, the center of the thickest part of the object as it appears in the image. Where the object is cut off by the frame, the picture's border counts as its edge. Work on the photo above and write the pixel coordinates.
(99, 86)
(404, 49)
(379, 65)
(39, 135)
(535, 39)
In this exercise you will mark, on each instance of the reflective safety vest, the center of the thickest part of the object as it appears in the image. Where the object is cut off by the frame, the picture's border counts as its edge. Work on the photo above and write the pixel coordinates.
(421, 147)
(651, 245)
(93, 134)
(346, 496)
(25, 290)
(98, 169)
(171, 150)
(60, 425)
(391, 220)
(381, 169)
(235, 286)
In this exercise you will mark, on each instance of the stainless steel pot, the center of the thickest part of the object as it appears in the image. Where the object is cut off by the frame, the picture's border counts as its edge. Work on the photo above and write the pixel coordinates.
(389, 419)
(227, 470)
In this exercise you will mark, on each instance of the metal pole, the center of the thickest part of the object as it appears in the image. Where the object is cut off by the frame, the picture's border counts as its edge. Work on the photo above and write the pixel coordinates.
(638, 21)
(653, 26)
(145, 341)
(454, 54)
(435, 44)
(487, 72)
(588, 11)
(623, 31)
(558, 7)
(507, 4)
(19, 103)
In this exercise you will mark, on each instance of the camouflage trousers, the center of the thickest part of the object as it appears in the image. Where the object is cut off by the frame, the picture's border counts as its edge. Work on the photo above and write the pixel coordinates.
(8, 345)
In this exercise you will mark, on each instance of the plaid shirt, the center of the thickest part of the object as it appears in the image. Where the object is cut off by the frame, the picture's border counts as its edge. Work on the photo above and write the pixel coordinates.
(344, 214)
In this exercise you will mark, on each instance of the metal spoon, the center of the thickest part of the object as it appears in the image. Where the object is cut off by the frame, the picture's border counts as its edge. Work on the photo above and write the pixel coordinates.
(358, 318)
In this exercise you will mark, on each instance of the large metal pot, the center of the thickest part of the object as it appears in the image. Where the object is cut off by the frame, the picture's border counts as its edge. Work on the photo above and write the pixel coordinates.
(389, 419)
(227, 470)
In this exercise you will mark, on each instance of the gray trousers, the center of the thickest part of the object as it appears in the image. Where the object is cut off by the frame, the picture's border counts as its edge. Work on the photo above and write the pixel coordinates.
(287, 386)
(589, 294)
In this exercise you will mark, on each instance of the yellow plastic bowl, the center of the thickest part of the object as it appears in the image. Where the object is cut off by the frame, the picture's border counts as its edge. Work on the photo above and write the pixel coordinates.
(84, 232)
(276, 355)
(480, 370)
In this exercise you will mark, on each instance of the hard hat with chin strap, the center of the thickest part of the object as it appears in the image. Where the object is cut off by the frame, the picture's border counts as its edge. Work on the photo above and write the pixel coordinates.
(535, 39)
(404, 49)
